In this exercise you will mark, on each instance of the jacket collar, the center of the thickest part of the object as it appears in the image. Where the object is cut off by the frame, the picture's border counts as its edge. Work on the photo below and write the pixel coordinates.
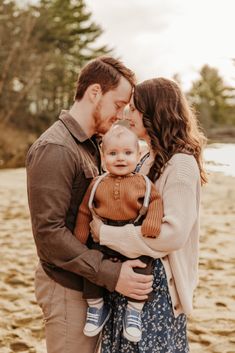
(73, 126)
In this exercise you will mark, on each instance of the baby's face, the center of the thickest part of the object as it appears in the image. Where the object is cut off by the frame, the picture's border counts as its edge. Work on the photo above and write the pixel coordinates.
(121, 155)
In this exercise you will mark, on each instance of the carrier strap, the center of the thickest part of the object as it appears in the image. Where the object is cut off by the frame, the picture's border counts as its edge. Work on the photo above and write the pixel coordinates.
(144, 207)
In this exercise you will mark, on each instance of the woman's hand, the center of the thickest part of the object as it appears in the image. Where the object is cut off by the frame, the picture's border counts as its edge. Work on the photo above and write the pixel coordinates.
(95, 226)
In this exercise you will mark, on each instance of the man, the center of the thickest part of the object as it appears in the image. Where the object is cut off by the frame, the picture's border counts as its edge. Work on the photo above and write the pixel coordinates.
(60, 166)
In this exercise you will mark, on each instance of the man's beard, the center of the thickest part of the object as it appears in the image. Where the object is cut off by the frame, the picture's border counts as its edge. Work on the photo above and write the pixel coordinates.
(99, 124)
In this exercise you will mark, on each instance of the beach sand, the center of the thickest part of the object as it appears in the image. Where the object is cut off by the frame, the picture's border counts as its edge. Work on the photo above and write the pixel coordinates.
(212, 324)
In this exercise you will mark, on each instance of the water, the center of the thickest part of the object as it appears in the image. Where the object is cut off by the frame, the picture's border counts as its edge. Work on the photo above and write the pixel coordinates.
(220, 157)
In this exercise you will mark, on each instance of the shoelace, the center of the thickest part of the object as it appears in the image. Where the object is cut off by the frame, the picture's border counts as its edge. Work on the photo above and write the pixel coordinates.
(92, 317)
(134, 320)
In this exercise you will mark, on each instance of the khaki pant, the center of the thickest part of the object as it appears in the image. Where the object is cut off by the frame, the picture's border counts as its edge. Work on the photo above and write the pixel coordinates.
(64, 313)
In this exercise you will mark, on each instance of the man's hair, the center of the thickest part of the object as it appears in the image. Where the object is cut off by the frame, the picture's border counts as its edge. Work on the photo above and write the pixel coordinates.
(118, 131)
(106, 71)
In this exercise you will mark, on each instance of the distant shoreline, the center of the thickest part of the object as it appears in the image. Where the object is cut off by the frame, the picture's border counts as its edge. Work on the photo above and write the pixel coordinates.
(223, 134)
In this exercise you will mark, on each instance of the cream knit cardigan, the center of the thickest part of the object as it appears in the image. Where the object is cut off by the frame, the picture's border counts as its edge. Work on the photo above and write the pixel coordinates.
(178, 242)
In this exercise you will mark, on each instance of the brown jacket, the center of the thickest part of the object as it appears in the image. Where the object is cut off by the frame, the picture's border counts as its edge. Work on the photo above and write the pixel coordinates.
(60, 165)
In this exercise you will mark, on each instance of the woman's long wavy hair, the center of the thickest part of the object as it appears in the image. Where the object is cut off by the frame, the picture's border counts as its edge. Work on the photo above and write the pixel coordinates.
(170, 123)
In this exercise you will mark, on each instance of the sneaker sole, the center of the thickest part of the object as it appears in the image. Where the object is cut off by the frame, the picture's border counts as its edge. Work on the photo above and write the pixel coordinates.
(129, 337)
(95, 332)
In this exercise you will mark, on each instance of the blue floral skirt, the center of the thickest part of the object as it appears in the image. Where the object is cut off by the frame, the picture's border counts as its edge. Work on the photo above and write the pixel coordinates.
(161, 331)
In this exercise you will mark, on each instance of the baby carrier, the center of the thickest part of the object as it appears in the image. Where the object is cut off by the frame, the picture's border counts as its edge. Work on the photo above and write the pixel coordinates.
(143, 209)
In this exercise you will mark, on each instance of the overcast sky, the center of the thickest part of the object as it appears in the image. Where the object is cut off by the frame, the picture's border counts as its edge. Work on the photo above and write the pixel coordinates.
(164, 37)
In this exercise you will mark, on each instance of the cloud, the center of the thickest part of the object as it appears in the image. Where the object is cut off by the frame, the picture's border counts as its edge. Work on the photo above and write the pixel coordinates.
(160, 38)
(134, 15)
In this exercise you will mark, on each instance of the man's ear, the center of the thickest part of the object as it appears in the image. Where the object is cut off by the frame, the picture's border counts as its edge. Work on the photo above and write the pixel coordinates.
(94, 92)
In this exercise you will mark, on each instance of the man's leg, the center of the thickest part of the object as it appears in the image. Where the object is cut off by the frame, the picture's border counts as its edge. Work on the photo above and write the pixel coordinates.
(64, 312)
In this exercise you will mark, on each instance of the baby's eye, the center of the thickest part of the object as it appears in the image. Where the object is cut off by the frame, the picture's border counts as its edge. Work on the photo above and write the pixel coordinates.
(128, 152)
(112, 153)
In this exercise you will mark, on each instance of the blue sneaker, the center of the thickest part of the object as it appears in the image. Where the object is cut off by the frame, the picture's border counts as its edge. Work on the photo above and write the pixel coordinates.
(95, 320)
(132, 327)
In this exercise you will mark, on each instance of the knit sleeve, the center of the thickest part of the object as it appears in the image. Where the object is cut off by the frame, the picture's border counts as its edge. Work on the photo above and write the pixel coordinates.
(152, 222)
(84, 217)
(181, 194)
(180, 204)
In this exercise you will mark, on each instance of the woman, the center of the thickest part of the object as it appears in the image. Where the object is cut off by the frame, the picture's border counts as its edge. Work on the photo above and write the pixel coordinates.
(160, 114)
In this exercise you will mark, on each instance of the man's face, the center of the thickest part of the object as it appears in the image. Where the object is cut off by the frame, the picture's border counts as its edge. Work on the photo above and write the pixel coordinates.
(110, 106)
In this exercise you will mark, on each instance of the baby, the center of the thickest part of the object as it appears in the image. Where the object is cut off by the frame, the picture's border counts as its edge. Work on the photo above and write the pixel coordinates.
(118, 197)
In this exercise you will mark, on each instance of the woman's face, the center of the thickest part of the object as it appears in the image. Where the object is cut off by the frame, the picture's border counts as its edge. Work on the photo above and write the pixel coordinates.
(135, 119)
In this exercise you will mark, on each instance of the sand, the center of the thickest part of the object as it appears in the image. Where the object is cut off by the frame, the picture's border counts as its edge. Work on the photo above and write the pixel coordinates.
(212, 325)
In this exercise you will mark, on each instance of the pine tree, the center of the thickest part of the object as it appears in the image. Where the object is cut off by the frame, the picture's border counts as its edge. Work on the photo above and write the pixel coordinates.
(19, 63)
(43, 48)
(212, 98)
(67, 32)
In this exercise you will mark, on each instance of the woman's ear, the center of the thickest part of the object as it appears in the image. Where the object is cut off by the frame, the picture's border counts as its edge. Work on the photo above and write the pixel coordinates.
(94, 92)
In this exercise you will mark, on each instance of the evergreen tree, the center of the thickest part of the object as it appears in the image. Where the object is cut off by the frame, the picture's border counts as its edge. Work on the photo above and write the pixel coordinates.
(212, 99)
(67, 32)
(19, 62)
(43, 48)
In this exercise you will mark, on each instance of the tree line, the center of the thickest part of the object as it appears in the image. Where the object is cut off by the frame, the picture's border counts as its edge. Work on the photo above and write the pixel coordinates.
(44, 46)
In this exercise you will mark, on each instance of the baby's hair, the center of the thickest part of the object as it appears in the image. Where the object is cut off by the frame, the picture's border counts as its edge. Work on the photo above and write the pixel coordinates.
(118, 131)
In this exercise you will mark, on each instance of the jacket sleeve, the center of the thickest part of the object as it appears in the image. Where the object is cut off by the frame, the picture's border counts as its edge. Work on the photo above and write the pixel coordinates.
(180, 205)
(50, 172)
(84, 217)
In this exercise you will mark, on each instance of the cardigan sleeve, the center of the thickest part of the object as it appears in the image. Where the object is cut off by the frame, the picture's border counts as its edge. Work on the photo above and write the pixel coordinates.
(180, 205)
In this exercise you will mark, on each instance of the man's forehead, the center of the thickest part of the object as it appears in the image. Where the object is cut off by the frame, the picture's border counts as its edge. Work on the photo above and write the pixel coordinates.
(123, 91)
(122, 96)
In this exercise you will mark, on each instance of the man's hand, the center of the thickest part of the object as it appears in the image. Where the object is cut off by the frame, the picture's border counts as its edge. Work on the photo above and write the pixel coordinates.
(132, 284)
(95, 226)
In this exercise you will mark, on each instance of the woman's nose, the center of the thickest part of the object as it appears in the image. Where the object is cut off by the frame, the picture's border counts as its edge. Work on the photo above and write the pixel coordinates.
(121, 114)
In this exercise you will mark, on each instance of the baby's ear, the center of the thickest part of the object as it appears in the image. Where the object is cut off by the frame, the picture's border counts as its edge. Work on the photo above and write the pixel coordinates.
(103, 166)
(139, 149)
